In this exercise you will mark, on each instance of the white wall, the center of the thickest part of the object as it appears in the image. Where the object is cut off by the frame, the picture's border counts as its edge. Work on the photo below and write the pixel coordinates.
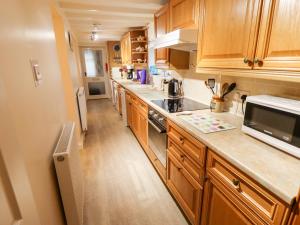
(36, 113)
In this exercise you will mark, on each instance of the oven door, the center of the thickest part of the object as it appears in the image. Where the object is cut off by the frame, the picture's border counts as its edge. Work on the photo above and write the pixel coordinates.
(157, 141)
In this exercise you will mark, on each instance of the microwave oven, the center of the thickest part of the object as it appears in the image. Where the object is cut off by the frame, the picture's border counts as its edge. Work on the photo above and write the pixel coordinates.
(274, 120)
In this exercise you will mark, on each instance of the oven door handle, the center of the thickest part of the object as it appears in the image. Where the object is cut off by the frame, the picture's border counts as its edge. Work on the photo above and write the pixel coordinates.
(156, 127)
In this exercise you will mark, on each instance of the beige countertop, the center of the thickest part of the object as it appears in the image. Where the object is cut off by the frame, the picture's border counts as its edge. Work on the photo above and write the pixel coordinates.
(272, 168)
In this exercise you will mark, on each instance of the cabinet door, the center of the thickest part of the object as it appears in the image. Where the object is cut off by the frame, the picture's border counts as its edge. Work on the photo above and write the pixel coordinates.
(143, 128)
(278, 43)
(128, 108)
(161, 23)
(227, 33)
(135, 120)
(219, 208)
(184, 14)
(184, 188)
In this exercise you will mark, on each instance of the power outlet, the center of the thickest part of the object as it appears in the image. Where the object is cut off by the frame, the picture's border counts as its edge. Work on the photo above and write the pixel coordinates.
(238, 94)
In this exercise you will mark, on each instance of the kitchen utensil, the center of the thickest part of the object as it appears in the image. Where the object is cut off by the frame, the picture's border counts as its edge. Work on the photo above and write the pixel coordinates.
(230, 88)
(210, 85)
(224, 88)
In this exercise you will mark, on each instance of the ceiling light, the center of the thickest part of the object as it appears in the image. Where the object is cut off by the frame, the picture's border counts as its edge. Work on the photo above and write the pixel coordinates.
(96, 26)
(92, 10)
(93, 36)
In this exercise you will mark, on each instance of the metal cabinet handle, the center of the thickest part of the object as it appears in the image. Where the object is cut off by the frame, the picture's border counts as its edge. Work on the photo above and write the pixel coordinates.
(259, 62)
(248, 61)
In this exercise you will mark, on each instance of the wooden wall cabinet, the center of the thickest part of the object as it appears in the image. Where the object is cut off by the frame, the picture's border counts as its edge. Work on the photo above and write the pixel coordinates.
(249, 34)
(230, 197)
(130, 42)
(165, 57)
(278, 46)
(184, 14)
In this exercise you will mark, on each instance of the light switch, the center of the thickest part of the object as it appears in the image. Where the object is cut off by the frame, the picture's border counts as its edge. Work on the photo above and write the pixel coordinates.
(37, 76)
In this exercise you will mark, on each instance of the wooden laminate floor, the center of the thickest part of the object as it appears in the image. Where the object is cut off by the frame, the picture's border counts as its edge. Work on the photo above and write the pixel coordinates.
(121, 186)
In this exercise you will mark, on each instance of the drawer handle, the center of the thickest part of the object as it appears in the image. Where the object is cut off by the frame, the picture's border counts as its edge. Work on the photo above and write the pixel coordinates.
(181, 140)
(236, 183)
(182, 157)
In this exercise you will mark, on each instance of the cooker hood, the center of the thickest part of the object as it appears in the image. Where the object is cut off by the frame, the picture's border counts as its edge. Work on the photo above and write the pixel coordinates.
(182, 39)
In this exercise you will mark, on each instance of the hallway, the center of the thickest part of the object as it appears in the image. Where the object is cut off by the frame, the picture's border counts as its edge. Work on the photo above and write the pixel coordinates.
(121, 186)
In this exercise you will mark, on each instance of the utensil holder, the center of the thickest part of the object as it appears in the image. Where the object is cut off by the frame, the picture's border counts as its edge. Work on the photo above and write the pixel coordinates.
(217, 104)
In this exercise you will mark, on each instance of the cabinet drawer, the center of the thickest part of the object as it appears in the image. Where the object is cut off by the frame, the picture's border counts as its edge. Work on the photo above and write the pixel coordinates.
(134, 99)
(260, 201)
(185, 189)
(195, 170)
(191, 146)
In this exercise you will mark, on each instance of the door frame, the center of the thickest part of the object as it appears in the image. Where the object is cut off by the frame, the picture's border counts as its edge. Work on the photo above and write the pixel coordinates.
(88, 80)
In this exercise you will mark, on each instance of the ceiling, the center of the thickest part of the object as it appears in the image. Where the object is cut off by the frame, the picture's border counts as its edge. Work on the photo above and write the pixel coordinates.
(112, 17)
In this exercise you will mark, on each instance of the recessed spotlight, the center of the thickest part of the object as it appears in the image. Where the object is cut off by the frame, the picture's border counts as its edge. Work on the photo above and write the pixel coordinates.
(92, 10)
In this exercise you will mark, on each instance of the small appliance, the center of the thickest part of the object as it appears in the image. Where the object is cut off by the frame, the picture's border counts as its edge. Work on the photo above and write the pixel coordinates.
(130, 70)
(175, 88)
(275, 121)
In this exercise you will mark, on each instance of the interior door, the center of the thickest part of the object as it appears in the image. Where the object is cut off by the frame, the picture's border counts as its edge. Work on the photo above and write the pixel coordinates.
(227, 33)
(278, 43)
(95, 74)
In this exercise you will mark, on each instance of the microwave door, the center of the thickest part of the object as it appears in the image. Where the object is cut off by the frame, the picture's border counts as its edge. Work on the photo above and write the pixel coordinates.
(272, 122)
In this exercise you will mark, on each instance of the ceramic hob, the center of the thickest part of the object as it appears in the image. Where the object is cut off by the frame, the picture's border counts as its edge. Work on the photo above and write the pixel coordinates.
(179, 105)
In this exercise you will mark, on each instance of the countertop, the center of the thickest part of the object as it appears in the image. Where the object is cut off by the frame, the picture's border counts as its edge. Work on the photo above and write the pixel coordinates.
(270, 167)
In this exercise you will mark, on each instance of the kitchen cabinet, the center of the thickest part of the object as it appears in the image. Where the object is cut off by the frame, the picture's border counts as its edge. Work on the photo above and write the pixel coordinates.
(135, 120)
(143, 129)
(134, 48)
(161, 24)
(249, 35)
(295, 216)
(185, 171)
(184, 14)
(119, 100)
(230, 197)
(186, 190)
(278, 45)
(129, 109)
(137, 116)
(126, 49)
(165, 57)
(227, 33)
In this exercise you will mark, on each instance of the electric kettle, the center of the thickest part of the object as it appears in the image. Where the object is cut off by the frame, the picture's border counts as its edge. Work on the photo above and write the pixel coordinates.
(175, 88)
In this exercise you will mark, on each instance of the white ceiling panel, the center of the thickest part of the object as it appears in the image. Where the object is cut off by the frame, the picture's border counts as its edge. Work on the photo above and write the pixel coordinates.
(113, 17)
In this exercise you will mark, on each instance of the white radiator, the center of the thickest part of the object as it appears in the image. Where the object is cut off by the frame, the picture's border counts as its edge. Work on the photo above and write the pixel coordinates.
(82, 108)
(69, 174)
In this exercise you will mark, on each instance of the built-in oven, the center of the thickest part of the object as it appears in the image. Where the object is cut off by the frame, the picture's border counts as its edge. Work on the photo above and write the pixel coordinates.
(157, 135)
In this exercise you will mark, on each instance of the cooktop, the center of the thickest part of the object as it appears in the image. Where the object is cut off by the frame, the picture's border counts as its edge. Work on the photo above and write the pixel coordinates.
(179, 105)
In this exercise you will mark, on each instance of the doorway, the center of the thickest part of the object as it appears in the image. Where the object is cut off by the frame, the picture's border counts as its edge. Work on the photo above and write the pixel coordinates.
(95, 74)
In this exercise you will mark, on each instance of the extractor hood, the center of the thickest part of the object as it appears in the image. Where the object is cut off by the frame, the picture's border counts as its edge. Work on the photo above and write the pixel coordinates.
(182, 39)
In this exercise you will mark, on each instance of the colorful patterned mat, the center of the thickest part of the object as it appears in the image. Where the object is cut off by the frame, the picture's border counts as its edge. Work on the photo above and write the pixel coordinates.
(206, 123)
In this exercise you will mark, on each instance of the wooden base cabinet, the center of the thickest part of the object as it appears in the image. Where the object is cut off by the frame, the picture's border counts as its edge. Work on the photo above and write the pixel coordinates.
(295, 216)
(230, 198)
(186, 190)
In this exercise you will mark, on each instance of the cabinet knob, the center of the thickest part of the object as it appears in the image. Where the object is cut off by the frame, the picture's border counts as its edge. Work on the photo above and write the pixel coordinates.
(258, 61)
(248, 61)
(236, 183)
(181, 140)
